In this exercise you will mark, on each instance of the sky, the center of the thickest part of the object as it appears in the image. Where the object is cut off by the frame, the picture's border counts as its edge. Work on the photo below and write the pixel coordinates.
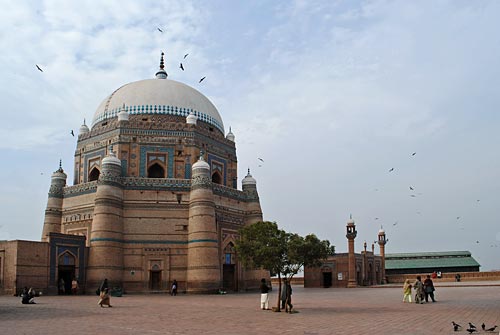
(331, 95)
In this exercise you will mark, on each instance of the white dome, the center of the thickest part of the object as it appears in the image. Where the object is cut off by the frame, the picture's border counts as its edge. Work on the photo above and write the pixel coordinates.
(201, 164)
(84, 129)
(191, 118)
(248, 180)
(111, 159)
(230, 135)
(381, 231)
(159, 96)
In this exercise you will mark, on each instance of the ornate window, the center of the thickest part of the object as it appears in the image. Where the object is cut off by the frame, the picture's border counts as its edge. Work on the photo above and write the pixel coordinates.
(156, 165)
(94, 174)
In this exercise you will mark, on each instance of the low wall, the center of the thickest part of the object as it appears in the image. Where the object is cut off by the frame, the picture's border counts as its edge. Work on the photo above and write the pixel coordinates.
(447, 277)
(295, 281)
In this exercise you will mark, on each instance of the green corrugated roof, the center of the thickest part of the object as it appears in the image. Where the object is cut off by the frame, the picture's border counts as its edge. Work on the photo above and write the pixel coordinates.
(429, 254)
(429, 260)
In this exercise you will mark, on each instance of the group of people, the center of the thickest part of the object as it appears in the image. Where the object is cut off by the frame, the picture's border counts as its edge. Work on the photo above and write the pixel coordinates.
(286, 296)
(423, 290)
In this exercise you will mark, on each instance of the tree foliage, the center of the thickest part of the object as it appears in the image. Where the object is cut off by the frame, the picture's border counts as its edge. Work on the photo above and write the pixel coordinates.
(264, 245)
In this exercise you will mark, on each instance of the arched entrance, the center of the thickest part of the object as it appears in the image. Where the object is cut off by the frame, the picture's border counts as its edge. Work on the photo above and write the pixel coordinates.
(156, 171)
(94, 174)
(155, 278)
(229, 268)
(66, 272)
(216, 178)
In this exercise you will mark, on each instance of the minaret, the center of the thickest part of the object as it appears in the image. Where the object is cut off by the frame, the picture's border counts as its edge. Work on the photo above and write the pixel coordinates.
(351, 235)
(53, 212)
(203, 268)
(249, 186)
(382, 240)
(106, 237)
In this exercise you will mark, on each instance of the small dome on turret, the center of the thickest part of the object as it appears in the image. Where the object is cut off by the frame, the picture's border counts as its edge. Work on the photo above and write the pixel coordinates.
(83, 128)
(191, 118)
(123, 114)
(248, 180)
(111, 158)
(350, 222)
(59, 173)
(381, 231)
(161, 74)
(201, 164)
(230, 135)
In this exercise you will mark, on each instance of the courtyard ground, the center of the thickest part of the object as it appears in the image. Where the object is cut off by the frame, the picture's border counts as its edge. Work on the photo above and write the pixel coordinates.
(376, 310)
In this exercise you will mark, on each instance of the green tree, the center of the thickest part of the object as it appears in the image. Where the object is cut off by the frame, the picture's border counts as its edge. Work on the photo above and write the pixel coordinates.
(264, 245)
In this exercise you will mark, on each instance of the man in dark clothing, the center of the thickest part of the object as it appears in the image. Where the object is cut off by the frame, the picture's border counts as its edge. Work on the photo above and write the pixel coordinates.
(429, 289)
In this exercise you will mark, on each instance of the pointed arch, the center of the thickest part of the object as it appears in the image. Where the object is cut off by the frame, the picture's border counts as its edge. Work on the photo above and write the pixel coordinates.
(156, 171)
(216, 178)
(94, 174)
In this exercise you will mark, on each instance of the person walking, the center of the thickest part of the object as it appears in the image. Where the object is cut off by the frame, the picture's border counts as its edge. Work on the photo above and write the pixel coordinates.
(264, 295)
(286, 296)
(407, 291)
(419, 290)
(429, 289)
(173, 291)
(74, 286)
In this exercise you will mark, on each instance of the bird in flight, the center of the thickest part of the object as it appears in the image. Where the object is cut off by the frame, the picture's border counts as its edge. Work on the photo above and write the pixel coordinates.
(411, 188)
(182, 67)
(391, 169)
(186, 56)
(72, 133)
(395, 223)
(161, 31)
(413, 154)
(413, 195)
(260, 159)
(376, 218)
(458, 217)
(202, 79)
(38, 67)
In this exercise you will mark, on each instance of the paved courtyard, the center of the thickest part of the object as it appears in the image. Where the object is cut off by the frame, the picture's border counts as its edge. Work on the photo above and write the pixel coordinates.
(320, 311)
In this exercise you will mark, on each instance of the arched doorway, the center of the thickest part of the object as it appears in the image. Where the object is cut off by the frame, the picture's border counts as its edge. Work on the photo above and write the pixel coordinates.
(155, 278)
(94, 174)
(156, 171)
(229, 268)
(370, 274)
(66, 272)
(216, 178)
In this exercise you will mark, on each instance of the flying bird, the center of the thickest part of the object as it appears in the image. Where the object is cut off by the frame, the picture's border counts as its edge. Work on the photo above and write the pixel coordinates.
(38, 67)
(260, 159)
(458, 217)
(391, 169)
(411, 188)
(395, 223)
(376, 218)
(161, 31)
(202, 79)
(72, 133)
(492, 329)
(185, 56)
(413, 195)
(182, 67)
(413, 154)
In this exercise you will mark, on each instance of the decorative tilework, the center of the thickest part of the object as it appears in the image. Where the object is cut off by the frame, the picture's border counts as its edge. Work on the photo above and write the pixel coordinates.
(100, 153)
(187, 171)
(124, 167)
(107, 239)
(160, 109)
(150, 149)
(218, 160)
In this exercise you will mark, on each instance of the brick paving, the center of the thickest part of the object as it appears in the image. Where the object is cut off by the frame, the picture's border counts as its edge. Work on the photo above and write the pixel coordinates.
(320, 311)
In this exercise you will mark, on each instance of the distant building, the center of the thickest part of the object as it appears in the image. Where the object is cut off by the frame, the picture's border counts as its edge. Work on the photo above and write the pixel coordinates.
(154, 198)
(428, 262)
(350, 269)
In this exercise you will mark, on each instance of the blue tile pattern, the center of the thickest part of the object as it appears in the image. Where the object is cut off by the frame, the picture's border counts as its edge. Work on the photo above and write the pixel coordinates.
(151, 149)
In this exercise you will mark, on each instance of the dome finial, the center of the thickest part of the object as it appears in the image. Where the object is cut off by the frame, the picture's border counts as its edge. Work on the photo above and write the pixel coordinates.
(162, 66)
(162, 74)
(60, 166)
